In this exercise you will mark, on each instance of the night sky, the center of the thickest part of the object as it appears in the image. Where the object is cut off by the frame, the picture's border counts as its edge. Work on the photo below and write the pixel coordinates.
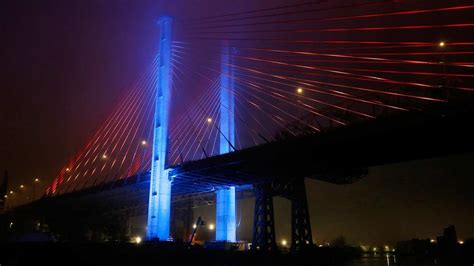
(66, 64)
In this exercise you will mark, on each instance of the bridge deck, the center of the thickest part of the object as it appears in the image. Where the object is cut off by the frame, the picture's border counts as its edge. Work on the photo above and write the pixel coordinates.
(340, 156)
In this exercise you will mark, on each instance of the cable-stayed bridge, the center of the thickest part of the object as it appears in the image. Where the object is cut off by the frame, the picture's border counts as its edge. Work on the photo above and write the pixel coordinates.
(261, 99)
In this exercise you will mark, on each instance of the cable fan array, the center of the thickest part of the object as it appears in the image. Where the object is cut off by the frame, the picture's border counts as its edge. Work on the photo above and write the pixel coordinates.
(300, 68)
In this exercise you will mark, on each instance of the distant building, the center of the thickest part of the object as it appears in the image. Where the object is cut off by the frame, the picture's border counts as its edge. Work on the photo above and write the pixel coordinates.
(449, 239)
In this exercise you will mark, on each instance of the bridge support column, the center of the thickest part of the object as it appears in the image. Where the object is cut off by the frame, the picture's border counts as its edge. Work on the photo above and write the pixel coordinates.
(301, 236)
(263, 221)
(160, 185)
(225, 215)
(225, 197)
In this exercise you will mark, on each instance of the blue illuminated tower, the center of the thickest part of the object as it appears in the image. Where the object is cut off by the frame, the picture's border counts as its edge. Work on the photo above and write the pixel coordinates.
(160, 186)
(225, 197)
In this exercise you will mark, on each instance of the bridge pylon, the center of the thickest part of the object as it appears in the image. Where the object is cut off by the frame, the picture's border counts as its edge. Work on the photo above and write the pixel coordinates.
(159, 206)
(225, 197)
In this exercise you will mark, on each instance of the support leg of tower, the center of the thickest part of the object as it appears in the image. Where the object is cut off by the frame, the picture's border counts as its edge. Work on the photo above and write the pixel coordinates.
(225, 214)
(301, 236)
(264, 224)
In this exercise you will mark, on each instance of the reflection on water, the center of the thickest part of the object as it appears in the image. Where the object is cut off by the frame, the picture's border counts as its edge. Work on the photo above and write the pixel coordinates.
(388, 260)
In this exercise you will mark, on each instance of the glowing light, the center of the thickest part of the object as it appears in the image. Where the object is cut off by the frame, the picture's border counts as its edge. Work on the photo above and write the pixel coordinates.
(104, 156)
(211, 227)
(442, 44)
(6, 196)
(144, 142)
(11, 191)
(194, 226)
(209, 120)
(461, 242)
(21, 186)
(67, 169)
(283, 242)
(374, 249)
(299, 90)
(37, 180)
(138, 240)
(432, 241)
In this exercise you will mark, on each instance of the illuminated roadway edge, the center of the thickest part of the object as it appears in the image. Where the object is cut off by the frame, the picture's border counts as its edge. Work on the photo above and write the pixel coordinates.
(340, 155)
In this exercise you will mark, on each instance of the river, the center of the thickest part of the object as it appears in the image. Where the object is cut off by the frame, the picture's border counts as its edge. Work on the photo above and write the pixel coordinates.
(389, 260)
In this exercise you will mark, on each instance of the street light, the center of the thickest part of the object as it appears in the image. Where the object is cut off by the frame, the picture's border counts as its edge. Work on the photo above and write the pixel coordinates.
(138, 240)
(21, 186)
(143, 142)
(104, 156)
(37, 180)
(442, 44)
(299, 90)
(211, 227)
(209, 120)
(283, 242)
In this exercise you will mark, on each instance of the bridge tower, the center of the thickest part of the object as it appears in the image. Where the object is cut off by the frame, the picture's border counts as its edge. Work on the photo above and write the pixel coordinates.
(158, 226)
(225, 197)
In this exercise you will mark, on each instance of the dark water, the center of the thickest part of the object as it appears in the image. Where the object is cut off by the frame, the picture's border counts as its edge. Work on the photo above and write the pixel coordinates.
(389, 260)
